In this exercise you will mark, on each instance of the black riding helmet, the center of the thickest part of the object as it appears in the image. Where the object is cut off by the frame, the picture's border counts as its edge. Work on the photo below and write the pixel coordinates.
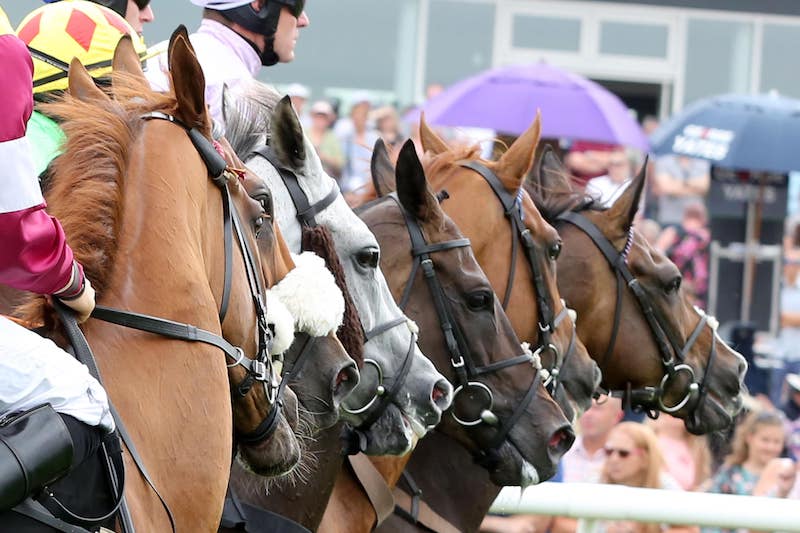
(264, 22)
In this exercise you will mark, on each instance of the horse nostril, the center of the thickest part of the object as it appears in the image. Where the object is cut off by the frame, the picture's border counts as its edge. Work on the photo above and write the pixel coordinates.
(561, 441)
(346, 381)
(441, 394)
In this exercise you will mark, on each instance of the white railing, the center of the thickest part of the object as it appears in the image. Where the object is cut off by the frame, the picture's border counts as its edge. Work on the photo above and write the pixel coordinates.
(616, 502)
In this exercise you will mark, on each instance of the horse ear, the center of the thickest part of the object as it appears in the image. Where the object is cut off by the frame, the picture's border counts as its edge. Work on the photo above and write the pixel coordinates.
(551, 176)
(126, 59)
(412, 186)
(188, 82)
(382, 170)
(180, 31)
(228, 105)
(621, 214)
(286, 134)
(431, 142)
(515, 164)
(81, 85)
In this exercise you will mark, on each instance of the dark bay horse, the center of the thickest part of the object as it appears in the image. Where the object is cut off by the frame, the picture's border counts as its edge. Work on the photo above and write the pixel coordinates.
(144, 217)
(669, 359)
(517, 439)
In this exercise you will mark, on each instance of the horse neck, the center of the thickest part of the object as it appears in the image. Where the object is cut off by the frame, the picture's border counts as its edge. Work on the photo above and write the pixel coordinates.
(305, 501)
(466, 497)
(168, 393)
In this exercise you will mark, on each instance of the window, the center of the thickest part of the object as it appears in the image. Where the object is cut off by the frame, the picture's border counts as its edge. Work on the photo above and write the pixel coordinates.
(778, 65)
(629, 39)
(546, 33)
(718, 58)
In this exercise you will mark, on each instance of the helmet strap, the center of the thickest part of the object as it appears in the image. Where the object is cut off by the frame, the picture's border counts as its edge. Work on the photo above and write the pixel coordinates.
(263, 22)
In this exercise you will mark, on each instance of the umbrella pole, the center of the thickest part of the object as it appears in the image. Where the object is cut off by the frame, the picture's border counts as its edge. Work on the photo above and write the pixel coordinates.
(752, 236)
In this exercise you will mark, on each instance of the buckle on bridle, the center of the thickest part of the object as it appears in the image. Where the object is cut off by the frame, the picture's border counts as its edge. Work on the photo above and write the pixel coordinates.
(259, 370)
(459, 363)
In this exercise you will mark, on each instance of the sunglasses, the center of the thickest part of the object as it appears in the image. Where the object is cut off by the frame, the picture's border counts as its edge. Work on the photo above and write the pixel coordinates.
(623, 453)
(295, 7)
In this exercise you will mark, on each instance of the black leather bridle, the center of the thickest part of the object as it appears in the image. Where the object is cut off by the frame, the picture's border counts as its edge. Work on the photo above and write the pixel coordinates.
(387, 389)
(520, 235)
(461, 359)
(259, 368)
(672, 349)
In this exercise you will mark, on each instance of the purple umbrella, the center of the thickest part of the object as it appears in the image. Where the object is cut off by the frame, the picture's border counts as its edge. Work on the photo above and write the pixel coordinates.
(506, 99)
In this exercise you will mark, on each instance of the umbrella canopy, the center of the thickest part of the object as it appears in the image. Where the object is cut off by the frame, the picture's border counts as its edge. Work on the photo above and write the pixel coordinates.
(506, 100)
(760, 132)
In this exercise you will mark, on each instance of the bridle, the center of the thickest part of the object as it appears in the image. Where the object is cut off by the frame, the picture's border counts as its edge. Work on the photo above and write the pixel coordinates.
(259, 369)
(512, 208)
(462, 361)
(387, 389)
(672, 349)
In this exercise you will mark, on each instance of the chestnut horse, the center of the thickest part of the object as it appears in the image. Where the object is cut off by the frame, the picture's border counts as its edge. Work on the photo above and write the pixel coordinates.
(145, 219)
(655, 349)
(518, 439)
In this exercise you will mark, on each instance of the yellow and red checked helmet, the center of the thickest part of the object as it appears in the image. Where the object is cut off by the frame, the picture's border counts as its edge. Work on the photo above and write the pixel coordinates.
(56, 33)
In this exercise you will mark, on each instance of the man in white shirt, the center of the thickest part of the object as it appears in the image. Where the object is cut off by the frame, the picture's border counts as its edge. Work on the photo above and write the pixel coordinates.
(235, 39)
(606, 189)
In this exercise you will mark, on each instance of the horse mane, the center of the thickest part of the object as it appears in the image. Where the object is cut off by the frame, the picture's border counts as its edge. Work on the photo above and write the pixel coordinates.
(248, 115)
(553, 203)
(318, 239)
(445, 161)
(87, 181)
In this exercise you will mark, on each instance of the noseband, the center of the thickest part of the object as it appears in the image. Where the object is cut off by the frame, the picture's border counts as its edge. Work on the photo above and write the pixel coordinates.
(673, 350)
(386, 391)
(512, 207)
(461, 359)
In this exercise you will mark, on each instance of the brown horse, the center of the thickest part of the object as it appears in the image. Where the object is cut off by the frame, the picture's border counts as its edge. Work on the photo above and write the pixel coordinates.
(537, 432)
(515, 247)
(611, 320)
(143, 217)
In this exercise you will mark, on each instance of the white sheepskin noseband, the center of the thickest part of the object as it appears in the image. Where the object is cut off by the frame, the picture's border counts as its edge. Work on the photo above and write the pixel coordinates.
(310, 294)
(282, 323)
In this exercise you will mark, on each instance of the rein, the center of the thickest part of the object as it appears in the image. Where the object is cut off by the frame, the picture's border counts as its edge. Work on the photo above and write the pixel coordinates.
(672, 350)
(512, 208)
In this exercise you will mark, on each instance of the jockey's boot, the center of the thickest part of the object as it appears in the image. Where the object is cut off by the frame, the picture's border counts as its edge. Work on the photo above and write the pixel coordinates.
(35, 450)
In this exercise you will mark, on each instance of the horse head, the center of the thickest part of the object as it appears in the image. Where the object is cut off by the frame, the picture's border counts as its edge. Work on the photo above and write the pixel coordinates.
(516, 249)
(255, 117)
(501, 411)
(652, 345)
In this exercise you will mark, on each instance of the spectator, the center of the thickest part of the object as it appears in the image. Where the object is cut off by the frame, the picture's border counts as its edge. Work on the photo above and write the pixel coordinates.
(299, 94)
(678, 181)
(650, 123)
(324, 140)
(687, 457)
(582, 463)
(650, 230)
(607, 188)
(357, 142)
(687, 246)
(633, 458)
(587, 160)
(792, 406)
(388, 125)
(757, 443)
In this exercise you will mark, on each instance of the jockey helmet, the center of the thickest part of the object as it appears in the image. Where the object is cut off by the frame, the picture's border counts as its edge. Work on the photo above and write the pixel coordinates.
(57, 32)
(120, 6)
(264, 21)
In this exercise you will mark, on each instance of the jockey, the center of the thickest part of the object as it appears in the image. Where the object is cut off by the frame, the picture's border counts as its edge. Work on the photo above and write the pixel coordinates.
(54, 41)
(53, 412)
(235, 39)
(136, 12)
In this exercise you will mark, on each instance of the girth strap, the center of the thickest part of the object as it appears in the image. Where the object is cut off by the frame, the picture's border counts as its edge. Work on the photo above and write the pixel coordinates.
(375, 487)
(36, 511)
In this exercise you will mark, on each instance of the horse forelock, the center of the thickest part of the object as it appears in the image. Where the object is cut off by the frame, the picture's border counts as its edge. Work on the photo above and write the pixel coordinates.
(87, 182)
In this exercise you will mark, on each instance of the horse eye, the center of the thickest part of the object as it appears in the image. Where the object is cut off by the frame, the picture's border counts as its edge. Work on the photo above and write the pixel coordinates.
(554, 251)
(368, 258)
(258, 224)
(479, 300)
(673, 286)
(265, 200)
